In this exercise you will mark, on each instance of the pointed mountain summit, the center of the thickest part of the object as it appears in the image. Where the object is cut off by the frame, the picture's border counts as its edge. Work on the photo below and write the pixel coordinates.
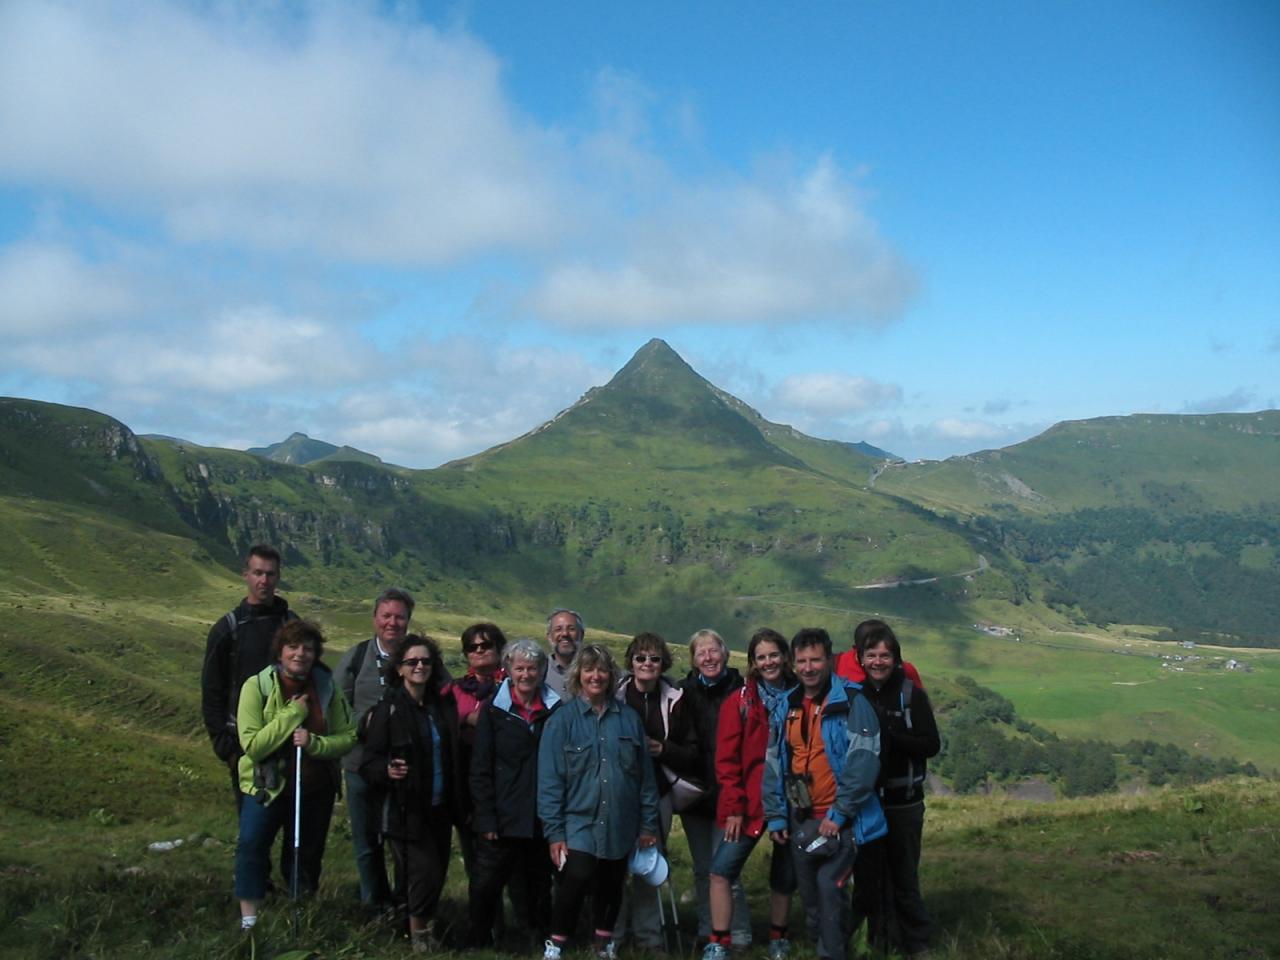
(657, 410)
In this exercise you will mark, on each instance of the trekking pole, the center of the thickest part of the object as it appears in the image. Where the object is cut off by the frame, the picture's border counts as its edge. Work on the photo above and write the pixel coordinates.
(662, 920)
(675, 915)
(297, 834)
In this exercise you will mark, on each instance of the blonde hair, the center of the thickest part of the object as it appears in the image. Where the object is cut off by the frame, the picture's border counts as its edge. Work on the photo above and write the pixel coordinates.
(590, 655)
(707, 634)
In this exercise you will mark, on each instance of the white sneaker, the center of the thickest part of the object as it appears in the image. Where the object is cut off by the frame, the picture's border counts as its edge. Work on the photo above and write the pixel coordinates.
(551, 951)
(715, 951)
(608, 952)
(779, 949)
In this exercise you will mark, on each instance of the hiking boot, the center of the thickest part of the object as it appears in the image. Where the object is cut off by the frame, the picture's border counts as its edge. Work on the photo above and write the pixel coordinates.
(551, 950)
(779, 949)
(715, 951)
(426, 941)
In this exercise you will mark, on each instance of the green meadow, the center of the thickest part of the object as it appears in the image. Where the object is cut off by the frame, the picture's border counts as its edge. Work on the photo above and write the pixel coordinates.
(1191, 873)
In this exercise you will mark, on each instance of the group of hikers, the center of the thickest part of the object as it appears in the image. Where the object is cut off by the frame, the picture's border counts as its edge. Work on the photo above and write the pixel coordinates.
(561, 771)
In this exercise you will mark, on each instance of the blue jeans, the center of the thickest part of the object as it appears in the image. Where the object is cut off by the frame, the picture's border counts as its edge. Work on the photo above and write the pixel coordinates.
(704, 837)
(259, 824)
(371, 863)
(732, 856)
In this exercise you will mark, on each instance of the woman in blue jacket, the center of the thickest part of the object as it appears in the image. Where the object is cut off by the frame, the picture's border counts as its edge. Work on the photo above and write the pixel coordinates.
(597, 798)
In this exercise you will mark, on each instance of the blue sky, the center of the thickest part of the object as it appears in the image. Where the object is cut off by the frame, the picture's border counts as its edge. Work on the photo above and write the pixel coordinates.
(423, 229)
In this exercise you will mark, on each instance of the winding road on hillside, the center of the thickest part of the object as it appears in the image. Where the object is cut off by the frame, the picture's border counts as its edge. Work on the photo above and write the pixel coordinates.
(890, 584)
(982, 566)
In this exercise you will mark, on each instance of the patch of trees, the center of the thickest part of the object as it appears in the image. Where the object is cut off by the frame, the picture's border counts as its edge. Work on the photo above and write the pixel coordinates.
(983, 741)
(1126, 565)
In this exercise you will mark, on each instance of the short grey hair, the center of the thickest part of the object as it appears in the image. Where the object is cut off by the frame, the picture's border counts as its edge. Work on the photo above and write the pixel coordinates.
(522, 648)
(397, 594)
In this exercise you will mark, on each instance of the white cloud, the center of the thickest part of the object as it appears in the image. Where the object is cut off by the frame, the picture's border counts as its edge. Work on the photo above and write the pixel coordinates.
(934, 439)
(456, 396)
(953, 428)
(768, 249)
(47, 288)
(834, 394)
(252, 348)
(1238, 399)
(344, 132)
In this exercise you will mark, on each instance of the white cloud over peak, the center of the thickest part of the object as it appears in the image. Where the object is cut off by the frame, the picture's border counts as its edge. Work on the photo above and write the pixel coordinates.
(834, 394)
(762, 250)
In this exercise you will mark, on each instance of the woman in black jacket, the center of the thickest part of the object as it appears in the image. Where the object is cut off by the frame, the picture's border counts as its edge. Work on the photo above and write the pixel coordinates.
(510, 848)
(705, 689)
(411, 754)
(888, 878)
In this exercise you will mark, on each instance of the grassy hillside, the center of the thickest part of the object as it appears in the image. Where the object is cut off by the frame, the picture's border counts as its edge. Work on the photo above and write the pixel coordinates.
(1143, 519)
(1172, 464)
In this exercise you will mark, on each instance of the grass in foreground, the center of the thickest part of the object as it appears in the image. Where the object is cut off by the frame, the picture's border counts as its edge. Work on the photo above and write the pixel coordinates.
(1173, 874)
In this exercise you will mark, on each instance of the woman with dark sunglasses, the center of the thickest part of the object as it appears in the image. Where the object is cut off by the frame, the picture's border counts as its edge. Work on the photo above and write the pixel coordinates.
(669, 738)
(482, 646)
(411, 753)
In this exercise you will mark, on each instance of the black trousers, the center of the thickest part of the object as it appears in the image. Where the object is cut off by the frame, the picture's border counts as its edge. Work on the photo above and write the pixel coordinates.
(422, 864)
(887, 878)
(523, 866)
(583, 874)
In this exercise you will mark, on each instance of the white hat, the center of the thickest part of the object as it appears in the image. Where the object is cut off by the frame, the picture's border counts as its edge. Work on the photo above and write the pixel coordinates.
(649, 864)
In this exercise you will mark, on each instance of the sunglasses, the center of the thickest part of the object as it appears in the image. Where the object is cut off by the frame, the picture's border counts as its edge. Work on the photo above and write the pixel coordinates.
(413, 662)
(647, 658)
(480, 645)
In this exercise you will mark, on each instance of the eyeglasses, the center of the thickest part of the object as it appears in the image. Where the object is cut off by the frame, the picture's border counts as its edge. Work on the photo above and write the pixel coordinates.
(479, 645)
(415, 662)
(647, 658)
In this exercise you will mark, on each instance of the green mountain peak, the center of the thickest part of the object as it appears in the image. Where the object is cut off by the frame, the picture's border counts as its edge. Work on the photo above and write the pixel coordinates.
(298, 449)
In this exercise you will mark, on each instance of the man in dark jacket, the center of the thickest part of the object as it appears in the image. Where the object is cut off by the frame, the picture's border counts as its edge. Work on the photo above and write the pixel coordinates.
(239, 647)
(361, 674)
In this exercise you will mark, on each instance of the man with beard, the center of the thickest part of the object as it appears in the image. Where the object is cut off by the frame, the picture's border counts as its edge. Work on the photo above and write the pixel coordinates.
(565, 631)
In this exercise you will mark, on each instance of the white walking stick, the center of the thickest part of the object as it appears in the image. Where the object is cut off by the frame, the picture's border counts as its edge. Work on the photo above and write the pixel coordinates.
(297, 834)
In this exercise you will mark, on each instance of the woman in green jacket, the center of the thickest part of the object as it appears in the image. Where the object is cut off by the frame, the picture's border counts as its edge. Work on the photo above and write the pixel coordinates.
(292, 703)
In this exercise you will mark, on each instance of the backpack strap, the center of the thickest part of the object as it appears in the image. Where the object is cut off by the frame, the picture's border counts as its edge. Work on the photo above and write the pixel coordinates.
(914, 778)
(357, 659)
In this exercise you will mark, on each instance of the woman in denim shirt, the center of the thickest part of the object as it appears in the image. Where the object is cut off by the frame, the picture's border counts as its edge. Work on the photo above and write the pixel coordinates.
(597, 798)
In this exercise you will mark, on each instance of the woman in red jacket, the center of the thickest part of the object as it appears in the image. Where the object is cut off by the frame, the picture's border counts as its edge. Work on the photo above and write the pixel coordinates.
(745, 719)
